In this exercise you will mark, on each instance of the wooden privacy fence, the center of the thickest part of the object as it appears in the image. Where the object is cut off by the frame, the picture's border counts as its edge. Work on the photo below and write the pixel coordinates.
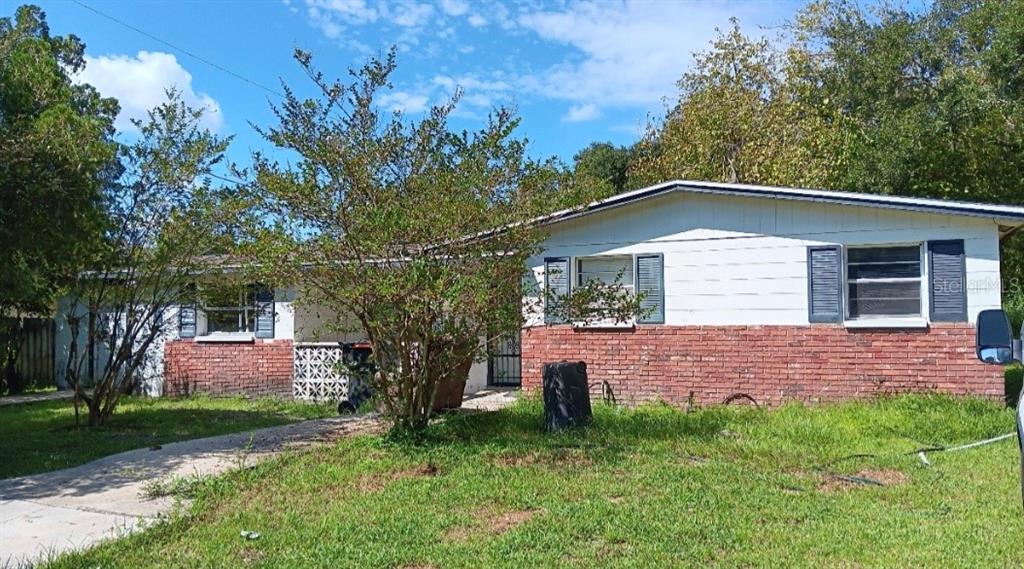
(35, 363)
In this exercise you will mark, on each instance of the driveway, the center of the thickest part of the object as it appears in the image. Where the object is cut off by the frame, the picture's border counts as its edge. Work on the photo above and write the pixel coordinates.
(45, 514)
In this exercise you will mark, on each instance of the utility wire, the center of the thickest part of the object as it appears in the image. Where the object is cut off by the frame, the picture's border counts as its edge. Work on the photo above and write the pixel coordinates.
(179, 49)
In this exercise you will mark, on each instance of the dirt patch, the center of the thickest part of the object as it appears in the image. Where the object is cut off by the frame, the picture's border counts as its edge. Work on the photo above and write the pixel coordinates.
(367, 426)
(888, 477)
(863, 479)
(509, 520)
(616, 499)
(489, 522)
(376, 482)
(251, 556)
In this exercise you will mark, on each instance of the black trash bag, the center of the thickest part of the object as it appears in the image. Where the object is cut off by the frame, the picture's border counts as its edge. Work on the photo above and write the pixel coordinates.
(360, 369)
(566, 395)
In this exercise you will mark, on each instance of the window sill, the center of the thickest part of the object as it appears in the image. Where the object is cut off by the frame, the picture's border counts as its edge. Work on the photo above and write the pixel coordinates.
(888, 323)
(219, 337)
(604, 325)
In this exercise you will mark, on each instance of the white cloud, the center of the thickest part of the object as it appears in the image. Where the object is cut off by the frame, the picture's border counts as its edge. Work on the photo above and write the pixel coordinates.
(477, 21)
(454, 7)
(139, 84)
(410, 14)
(630, 52)
(350, 11)
(581, 113)
(403, 101)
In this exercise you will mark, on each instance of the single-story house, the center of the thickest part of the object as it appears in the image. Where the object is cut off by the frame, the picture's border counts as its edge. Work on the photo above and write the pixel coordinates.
(776, 293)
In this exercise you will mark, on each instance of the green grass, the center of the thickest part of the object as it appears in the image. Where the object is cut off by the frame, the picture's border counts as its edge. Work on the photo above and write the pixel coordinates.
(650, 487)
(39, 437)
(1014, 383)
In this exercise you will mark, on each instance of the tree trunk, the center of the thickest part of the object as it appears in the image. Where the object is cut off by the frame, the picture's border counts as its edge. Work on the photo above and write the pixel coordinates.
(96, 417)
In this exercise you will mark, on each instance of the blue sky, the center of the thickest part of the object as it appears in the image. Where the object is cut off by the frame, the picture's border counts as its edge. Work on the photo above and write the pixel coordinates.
(577, 72)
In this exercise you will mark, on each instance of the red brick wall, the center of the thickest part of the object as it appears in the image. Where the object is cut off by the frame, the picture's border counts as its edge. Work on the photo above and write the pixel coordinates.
(822, 362)
(261, 368)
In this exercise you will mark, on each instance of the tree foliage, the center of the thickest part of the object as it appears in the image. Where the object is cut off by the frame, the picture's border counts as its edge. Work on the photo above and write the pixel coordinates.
(604, 167)
(163, 221)
(417, 232)
(56, 154)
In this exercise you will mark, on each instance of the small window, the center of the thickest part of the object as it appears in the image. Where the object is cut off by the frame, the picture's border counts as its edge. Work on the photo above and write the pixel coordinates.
(229, 308)
(605, 270)
(884, 281)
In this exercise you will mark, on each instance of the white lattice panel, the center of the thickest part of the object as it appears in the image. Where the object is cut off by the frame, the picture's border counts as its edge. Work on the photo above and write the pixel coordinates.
(318, 373)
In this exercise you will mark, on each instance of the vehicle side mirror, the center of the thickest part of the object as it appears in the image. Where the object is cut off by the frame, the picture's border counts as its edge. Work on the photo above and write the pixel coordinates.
(994, 337)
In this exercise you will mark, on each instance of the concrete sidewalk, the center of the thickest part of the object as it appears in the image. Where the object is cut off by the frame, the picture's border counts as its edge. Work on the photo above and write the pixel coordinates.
(34, 397)
(46, 514)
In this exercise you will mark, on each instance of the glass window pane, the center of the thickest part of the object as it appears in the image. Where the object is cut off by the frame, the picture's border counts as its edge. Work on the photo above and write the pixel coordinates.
(605, 269)
(883, 254)
(885, 299)
(884, 271)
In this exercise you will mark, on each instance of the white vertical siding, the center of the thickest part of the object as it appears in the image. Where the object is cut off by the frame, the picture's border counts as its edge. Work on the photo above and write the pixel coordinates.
(740, 260)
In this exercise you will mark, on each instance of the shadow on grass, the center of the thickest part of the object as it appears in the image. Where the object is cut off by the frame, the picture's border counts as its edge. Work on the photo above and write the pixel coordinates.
(42, 437)
(616, 434)
(1014, 382)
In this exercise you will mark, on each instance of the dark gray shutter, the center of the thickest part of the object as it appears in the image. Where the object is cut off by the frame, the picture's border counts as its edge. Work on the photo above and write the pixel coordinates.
(825, 284)
(650, 280)
(948, 278)
(557, 286)
(264, 312)
(187, 321)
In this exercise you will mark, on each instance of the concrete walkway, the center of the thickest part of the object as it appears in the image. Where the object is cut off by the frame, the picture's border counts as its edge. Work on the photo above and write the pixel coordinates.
(43, 515)
(34, 397)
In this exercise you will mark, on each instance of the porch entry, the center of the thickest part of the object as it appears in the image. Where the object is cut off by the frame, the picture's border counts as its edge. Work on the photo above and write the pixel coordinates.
(504, 361)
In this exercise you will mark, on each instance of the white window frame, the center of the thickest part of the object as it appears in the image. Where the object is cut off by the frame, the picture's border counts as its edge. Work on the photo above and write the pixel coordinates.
(908, 320)
(247, 319)
(574, 269)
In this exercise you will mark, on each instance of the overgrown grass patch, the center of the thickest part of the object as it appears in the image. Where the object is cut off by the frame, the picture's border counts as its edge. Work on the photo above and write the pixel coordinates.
(39, 437)
(646, 487)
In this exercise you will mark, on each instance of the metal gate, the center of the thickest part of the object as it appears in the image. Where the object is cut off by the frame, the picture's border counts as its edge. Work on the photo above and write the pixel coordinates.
(504, 361)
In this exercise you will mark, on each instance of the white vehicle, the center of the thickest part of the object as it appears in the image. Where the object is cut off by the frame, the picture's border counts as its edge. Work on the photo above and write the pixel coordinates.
(996, 345)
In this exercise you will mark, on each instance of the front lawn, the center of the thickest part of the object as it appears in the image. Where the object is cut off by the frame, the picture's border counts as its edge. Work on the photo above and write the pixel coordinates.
(39, 437)
(651, 487)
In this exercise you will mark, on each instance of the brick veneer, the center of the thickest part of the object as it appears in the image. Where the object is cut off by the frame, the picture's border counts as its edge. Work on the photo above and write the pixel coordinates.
(261, 368)
(821, 362)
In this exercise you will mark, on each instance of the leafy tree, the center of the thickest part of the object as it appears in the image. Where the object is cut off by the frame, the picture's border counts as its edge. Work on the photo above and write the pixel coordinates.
(603, 166)
(56, 155)
(415, 231)
(740, 118)
(933, 100)
(164, 218)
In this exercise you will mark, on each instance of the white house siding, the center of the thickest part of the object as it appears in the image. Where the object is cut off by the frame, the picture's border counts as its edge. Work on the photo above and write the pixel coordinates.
(322, 324)
(743, 260)
(150, 375)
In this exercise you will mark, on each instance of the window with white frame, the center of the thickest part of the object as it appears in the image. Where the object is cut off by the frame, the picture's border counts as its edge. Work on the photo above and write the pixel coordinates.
(228, 307)
(884, 282)
(607, 270)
